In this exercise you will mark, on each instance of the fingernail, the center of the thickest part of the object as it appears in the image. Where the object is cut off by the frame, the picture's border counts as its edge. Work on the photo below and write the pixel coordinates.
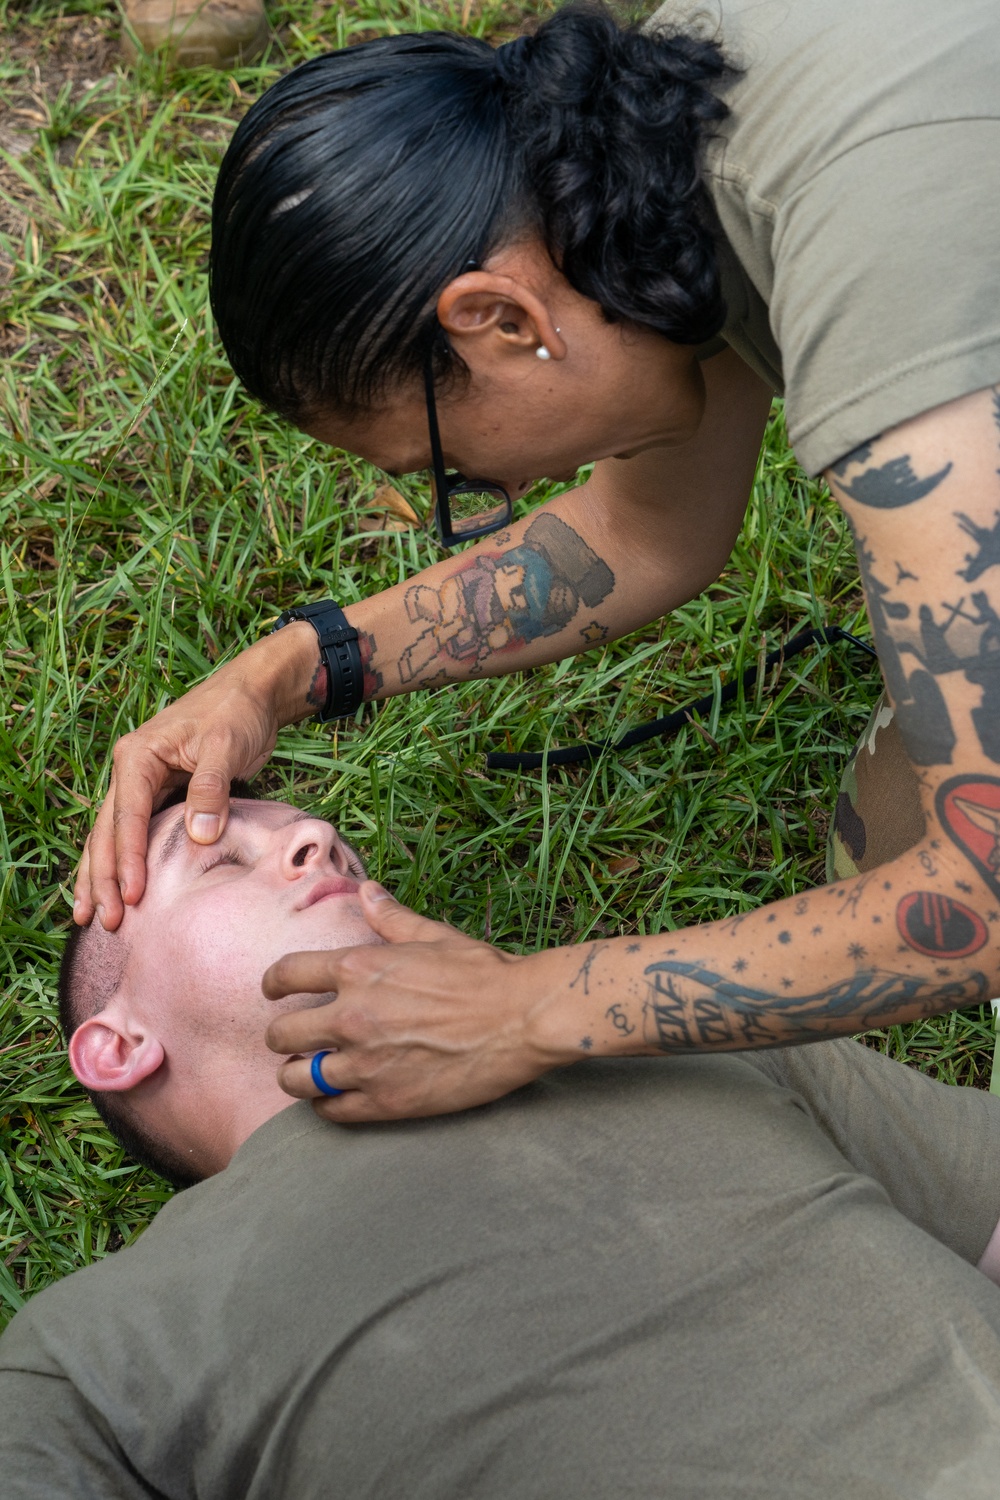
(77, 910)
(205, 828)
(378, 892)
(100, 915)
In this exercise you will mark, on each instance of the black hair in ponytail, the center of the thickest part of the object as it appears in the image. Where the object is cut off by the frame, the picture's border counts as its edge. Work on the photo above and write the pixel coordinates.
(365, 180)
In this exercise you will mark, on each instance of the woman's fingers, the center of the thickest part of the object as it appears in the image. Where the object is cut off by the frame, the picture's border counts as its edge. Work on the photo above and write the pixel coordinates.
(98, 890)
(303, 1031)
(296, 1076)
(140, 777)
(420, 1027)
(83, 905)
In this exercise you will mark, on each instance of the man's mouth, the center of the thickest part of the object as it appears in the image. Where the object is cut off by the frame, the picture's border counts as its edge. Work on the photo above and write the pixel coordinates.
(333, 885)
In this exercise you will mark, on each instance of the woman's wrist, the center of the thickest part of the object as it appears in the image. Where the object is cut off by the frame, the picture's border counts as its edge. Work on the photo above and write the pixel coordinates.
(577, 1009)
(287, 668)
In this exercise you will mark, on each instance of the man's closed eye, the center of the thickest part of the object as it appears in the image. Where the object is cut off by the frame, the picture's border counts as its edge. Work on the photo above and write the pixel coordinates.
(227, 857)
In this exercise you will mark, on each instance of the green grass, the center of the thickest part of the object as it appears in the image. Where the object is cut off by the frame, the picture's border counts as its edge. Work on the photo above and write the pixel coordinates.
(153, 519)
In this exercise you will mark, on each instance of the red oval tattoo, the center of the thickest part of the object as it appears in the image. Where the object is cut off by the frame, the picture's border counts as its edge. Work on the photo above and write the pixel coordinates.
(939, 927)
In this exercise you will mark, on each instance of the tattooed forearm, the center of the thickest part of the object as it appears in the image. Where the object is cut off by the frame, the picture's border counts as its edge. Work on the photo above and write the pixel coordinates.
(500, 601)
(690, 1006)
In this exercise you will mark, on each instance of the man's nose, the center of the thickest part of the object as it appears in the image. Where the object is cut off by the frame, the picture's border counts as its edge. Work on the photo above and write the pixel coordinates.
(313, 843)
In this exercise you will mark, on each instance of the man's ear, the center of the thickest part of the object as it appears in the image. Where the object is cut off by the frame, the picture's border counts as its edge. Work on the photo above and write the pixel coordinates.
(109, 1055)
(481, 304)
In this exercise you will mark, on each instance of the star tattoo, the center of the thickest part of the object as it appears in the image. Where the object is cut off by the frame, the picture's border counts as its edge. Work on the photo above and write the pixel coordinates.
(594, 632)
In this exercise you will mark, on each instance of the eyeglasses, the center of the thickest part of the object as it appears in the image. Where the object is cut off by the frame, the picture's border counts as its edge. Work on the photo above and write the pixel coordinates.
(463, 508)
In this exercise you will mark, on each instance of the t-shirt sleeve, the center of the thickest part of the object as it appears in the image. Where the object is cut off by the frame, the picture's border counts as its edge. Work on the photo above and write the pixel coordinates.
(886, 296)
(54, 1446)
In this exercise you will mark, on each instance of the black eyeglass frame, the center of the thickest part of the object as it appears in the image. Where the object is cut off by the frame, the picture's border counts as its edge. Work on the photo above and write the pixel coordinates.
(446, 485)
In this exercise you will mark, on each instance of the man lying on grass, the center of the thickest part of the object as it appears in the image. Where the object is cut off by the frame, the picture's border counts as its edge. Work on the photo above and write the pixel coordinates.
(717, 1275)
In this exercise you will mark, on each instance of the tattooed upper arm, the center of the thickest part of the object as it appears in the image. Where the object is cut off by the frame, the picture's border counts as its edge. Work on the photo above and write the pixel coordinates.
(923, 502)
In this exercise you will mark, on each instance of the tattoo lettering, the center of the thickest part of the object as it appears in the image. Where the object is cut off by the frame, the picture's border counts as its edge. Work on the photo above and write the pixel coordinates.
(890, 485)
(688, 1006)
(968, 808)
(666, 1009)
(372, 678)
(939, 927)
(501, 601)
(620, 1020)
(712, 1022)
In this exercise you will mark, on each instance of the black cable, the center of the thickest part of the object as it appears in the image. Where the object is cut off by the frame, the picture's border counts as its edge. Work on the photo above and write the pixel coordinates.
(670, 724)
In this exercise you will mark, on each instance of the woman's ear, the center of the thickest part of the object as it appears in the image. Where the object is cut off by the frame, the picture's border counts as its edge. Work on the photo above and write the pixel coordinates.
(488, 306)
(109, 1056)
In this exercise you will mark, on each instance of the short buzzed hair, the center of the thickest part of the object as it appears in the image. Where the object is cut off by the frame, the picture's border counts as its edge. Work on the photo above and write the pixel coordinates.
(93, 968)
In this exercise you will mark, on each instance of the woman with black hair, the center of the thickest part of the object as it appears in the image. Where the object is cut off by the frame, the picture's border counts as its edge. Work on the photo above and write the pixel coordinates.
(598, 243)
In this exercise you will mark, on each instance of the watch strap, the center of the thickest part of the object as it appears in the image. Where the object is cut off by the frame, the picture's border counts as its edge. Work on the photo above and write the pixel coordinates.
(339, 652)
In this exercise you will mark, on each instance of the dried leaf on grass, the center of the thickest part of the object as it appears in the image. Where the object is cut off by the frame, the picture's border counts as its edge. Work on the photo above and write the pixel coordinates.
(388, 498)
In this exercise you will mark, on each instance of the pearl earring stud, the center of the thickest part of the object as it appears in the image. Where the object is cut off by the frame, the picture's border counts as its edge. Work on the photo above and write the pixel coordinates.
(542, 353)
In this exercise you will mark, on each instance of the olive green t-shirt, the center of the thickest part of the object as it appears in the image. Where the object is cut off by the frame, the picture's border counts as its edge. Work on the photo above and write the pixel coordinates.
(633, 1280)
(857, 185)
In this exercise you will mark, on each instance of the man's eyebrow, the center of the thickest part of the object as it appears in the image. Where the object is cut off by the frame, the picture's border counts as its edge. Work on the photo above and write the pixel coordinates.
(177, 837)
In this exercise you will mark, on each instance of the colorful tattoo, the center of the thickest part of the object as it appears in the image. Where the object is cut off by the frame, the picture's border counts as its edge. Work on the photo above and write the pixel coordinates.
(939, 927)
(500, 601)
(968, 808)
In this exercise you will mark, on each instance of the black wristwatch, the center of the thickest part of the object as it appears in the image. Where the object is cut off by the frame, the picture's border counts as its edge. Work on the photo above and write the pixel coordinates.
(340, 654)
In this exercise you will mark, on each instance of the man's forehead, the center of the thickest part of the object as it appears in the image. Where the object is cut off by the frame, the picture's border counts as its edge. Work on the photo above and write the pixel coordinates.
(239, 807)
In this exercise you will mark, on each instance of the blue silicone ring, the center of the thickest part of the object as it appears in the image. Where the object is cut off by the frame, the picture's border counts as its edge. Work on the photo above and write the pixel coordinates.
(316, 1069)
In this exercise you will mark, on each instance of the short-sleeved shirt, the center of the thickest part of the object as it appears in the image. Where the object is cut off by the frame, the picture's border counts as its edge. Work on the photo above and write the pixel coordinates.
(857, 185)
(631, 1279)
